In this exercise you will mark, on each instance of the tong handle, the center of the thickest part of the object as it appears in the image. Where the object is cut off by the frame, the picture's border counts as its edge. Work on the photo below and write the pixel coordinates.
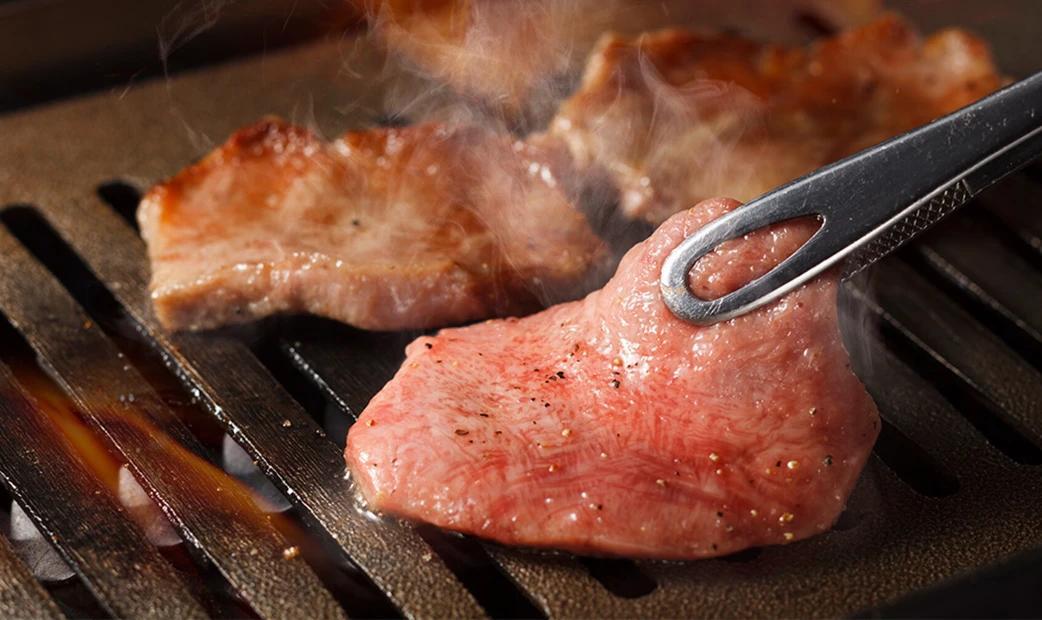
(915, 178)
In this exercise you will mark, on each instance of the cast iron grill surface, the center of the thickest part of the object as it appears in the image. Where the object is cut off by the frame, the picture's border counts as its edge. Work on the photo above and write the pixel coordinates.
(946, 335)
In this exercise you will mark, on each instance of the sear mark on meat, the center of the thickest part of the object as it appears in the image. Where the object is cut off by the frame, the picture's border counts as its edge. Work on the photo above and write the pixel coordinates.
(609, 426)
(385, 229)
(674, 117)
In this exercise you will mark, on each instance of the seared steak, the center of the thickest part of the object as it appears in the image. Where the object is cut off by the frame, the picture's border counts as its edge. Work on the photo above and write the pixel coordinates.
(385, 229)
(515, 55)
(608, 425)
(675, 117)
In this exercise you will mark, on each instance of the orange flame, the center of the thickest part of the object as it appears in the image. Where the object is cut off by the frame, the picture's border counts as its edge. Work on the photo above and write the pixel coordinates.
(237, 500)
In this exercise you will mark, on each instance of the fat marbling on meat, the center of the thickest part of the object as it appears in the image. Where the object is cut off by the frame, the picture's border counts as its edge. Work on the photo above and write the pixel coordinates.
(607, 425)
(674, 117)
(422, 226)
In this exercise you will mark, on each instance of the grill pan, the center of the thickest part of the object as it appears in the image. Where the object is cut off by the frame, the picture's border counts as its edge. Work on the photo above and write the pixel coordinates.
(947, 336)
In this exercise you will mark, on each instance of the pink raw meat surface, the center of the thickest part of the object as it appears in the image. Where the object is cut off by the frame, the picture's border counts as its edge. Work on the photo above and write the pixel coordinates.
(609, 426)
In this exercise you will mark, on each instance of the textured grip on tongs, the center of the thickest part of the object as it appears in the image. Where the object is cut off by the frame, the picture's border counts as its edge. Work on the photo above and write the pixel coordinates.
(909, 227)
(870, 203)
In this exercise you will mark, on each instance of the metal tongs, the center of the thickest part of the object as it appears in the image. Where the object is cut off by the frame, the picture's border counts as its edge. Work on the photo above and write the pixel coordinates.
(870, 203)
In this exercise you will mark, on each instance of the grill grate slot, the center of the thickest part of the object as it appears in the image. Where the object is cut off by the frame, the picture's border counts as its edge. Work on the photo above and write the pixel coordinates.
(311, 397)
(970, 261)
(917, 410)
(45, 563)
(123, 198)
(20, 594)
(123, 571)
(71, 593)
(469, 561)
(339, 348)
(218, 516)
(913, 464)
(560, 585)
(1015, 202)
(37, 235)
(622, 578)
(1010, 329)
(975, 408)
(364, 361)
(921, 312)
(238, 390)
(75, 599)
(465, 558)
(329, 361)
(351, 588)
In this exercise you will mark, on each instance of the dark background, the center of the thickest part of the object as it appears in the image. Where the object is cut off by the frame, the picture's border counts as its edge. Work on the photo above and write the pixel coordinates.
(51, 49)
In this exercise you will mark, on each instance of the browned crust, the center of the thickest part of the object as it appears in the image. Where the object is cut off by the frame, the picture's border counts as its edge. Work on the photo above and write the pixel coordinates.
(794, 108)
(455, 290)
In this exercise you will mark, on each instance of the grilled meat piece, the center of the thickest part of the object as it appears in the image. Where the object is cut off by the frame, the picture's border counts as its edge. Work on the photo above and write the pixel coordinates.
(516, 54)
(385, 229)
(608, 425)
(675, 117)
